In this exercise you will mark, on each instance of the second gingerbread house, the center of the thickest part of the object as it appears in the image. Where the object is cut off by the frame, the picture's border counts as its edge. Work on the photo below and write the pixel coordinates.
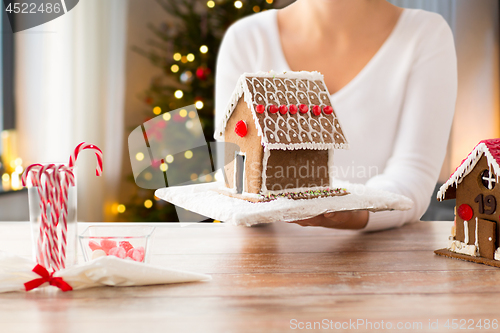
(476, 233)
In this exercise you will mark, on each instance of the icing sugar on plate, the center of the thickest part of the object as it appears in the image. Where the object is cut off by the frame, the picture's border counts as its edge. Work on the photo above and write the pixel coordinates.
(203, 199)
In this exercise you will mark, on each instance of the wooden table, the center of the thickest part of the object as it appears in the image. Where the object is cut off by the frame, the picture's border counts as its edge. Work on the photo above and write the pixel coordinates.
(272, 279)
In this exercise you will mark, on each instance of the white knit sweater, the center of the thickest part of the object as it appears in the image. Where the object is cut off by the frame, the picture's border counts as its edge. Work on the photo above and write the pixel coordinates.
(396, 113)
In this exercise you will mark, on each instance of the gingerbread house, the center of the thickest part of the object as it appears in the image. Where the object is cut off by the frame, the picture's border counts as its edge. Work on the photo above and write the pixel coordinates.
(474, 184)
(284, 126)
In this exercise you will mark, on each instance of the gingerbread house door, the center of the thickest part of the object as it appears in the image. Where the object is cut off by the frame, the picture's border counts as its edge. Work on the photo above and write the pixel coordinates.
(486, 236)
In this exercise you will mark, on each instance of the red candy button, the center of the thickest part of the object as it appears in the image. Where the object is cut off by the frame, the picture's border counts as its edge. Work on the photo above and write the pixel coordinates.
(303, 108)
(107, 244)
(283, 109)
(465, 212)
(327, 109)
(94, 245)
(316, 110)
(273, 108)
(241, 128)
(126, 245)
(293, 109)
(136, 254)
(118, 252)
(260, 108)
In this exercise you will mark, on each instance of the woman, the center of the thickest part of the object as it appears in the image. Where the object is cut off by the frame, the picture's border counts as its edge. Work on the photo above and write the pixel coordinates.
(393, 79)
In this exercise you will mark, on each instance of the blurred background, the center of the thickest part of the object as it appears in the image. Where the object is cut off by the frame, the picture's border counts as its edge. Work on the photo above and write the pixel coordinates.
(107, 66)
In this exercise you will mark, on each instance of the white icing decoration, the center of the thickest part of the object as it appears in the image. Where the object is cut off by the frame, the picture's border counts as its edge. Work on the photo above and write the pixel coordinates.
(476, 242)
(265, 158)
(466, 232)
(462, 248)
(467, 166)
(497, 254)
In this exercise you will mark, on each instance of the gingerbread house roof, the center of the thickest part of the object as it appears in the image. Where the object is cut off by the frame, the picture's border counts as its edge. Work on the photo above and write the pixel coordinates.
(291, 110)
(489, 148)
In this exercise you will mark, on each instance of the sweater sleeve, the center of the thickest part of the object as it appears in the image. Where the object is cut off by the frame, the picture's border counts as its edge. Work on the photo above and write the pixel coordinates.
(424, 128)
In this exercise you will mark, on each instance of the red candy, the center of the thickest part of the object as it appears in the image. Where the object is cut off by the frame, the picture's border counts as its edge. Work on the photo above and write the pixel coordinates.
(126, 245)
(316, 110)
(465, 212)
(118, 252)
(303, 108)
(327, 109)
(110, 248)
(136, 254)
(94, 245)
(260, 108)
(273, 108)
(283, 109)
(124, 249)
(293, 109)
(107, 244)
(241, 128)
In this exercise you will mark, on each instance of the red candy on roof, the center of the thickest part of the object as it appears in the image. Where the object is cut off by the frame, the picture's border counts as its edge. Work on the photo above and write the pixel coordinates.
(303, 108)
(260, 108)
(316, 110)
(283, 109)
(327, 109)
(293, 109)
(273, 108)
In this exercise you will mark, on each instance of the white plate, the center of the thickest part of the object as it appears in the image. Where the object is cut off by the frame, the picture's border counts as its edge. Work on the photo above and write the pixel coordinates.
(204, 200)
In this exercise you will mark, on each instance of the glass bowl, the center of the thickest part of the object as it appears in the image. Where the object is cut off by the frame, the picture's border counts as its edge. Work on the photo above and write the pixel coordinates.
(125, 242)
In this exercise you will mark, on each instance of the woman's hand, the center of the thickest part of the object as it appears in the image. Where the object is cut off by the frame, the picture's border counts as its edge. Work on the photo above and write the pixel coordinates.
(338, 220)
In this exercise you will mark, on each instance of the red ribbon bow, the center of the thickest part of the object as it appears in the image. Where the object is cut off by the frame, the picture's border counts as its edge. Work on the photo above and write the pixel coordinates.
(46, 277)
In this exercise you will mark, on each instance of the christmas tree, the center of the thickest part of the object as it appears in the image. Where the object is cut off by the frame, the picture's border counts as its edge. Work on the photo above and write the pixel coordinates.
(185, 48)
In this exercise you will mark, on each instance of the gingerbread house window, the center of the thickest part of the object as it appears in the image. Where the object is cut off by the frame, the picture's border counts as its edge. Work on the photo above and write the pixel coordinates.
(488, 179)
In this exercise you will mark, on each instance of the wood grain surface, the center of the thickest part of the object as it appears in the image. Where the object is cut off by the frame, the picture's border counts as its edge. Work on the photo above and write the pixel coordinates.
(274, 278)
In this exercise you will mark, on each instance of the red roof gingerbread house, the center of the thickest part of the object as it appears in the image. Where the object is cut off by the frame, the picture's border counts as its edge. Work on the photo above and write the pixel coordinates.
(474, 185)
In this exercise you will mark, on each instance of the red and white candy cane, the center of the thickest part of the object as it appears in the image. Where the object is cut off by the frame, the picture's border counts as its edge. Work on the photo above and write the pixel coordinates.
(67, 180)
(82, 146)
(31, 168)
(40, 257)
(46, 189)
